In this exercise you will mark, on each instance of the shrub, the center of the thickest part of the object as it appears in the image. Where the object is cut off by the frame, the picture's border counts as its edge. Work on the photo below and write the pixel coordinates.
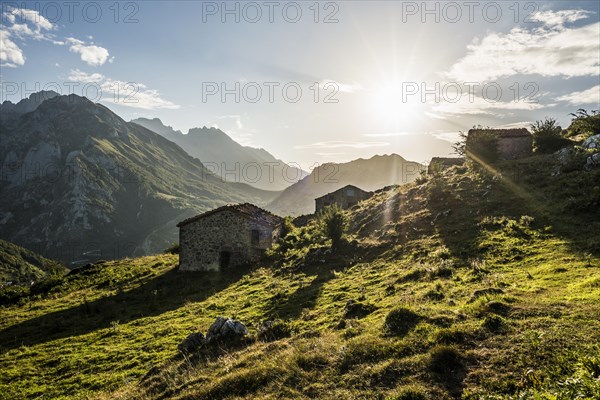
(585, 123)
(409, 393)
(311, 362)
(450, 336)
(547, 136)
(333, 223)
(446, 359)
(13, 294)
(400, 320)
(172, 249)
(45, 285)
(274, 330)
(482, 147)
(365, 349)
(356, 309)
(494, 323)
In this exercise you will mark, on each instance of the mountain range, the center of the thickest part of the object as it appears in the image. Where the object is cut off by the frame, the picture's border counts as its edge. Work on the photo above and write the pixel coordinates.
(368, 174)
(229, 159)
(79, 183)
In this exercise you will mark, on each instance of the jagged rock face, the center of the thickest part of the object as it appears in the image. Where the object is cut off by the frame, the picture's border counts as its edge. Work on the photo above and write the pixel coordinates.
(79, 183)
(9, 112)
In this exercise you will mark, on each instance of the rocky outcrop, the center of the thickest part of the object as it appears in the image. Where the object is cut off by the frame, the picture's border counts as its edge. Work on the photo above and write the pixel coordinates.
(224, 331)
(593, 142)
(593, 161)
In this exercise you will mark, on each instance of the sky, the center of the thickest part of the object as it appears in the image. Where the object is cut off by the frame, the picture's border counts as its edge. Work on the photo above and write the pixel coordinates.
(313, 82)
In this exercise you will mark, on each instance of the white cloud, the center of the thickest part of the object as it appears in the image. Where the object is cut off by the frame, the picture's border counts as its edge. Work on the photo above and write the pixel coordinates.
(478, 106)
(39, 22)
(388, 134)
(559, 18)
(589, 96)
(448, 136)
(551, 50)
(10, 54)
(342, 144)
(435, 116)
(326, 85)
(129, 94)
(515, 125)
(237, 119)
(91, 54)
(326, 154)
(83, 77)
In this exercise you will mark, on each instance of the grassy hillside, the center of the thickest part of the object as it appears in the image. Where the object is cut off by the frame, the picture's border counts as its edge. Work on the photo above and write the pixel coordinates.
(20, 265)
(473, 283)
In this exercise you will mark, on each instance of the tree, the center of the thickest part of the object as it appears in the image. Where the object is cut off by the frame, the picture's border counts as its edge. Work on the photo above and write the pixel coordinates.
(547, 136)
(584, 123)
(333, 223)
(459, 147)
(482, 146)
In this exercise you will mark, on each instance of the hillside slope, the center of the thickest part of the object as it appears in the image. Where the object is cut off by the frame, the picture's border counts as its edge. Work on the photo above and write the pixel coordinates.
(229, 159)
(19, 265)
(79, 183)
(480, 284)
(371, 174)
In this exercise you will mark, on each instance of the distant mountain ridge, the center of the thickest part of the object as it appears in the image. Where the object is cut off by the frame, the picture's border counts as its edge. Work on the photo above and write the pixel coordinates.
(79, 183)
(368, 174)
(229, 159)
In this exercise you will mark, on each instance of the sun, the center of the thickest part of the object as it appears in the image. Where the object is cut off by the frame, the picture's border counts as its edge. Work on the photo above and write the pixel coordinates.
(392, 105)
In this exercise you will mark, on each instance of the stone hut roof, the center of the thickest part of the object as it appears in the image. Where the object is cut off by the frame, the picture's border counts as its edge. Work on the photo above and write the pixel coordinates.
(343, 188)
(447, 160)
(502, 133)
(245, 210)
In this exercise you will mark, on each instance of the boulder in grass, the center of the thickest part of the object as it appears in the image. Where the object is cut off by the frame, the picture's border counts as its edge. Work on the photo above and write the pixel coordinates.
(191, 343)
(226, 330)
(593, 161)
(593, 142)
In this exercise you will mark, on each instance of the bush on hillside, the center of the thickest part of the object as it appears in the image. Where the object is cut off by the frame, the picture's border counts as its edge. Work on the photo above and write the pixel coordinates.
(446, 360)
(584, 123)
(172, 249)
(13, 294)
(547, 136)
(333, 223)
(482, 147)
(401, 320)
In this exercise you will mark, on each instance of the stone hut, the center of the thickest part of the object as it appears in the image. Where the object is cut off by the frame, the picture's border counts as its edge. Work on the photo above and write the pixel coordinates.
(441, 163)
(226, 237)
(511, 144)
(345, 197)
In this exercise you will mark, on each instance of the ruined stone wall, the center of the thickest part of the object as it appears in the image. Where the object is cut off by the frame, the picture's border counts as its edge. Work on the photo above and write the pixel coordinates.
(203, 242)
(512, 148)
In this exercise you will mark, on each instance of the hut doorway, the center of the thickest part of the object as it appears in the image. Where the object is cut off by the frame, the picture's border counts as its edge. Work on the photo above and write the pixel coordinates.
(224, 259)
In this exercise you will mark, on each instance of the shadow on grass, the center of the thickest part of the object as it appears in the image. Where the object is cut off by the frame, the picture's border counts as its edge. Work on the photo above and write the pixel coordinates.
(323, 268)
(163, 293)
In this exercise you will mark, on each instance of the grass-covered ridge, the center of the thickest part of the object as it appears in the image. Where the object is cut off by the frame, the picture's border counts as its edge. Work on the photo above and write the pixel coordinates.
(19, 265)
(473, 283)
